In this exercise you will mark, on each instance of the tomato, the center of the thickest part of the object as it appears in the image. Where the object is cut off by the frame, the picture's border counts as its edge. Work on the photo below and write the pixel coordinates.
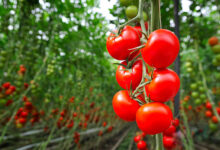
(125, 2)
(131, 76)
(175, 122)
(170, 131)
(218, 110)
(213, 41)
(208, 105)
(216, 48)
(193, 86)
(153, 118)
(164, 85)
(142, 145)
(161, 48)
(138, 28)
(131, 11)
(213, 127)
(168, 142)
(214, 119)
(119, 46)
(137, 138)
(195, 94)
(124, 106)
(208, 113)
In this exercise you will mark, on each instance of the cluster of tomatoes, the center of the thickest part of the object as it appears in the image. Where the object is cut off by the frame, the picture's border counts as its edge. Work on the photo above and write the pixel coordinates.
(145, 90)
(139, 139)
(213, 42)
(169, 136)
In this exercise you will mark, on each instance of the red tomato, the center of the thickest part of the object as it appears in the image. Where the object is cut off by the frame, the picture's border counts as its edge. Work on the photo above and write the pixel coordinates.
(124, 106)
(164, 85)
(138, 28)
(168, 142)
(137, 138)
(218, 110)
(175, 122)
(133, 75)
(141, 145)
(161, 48)
(208, 105)
(153, 118)
(214, 119)
(118, 47)
(208, 113)
(170, 131)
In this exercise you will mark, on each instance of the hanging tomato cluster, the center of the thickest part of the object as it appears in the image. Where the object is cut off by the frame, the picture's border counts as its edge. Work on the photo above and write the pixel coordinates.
(149, 89)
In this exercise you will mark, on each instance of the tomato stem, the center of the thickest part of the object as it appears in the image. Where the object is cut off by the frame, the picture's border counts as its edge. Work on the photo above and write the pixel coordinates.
(155, 15)
(159, 141)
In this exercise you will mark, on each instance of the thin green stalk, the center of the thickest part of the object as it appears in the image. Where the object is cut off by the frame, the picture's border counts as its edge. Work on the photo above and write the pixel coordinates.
(188, 133)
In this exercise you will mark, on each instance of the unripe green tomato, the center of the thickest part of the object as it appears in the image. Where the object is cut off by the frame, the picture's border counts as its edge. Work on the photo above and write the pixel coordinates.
(3, 59)
(213, 127)
(195, 94)
(188, 64)
(217, 57)
(2, 102)
(201, 89)
(199, 83)
(1, 65)
(217, 76)
(215, 62)
(46, 100)
(131, 11)
(3, 53)
(216, 48)
(193, 86)
(145, 16)
(198, 101)
(202, 96)
(189, 70)
(125, 2)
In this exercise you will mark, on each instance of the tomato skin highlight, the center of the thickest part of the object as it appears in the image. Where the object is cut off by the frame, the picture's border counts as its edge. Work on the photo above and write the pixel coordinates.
(124, 106)
(118, 47)
(125, 77)
(164, 85)
(161, 49)
(153, 118)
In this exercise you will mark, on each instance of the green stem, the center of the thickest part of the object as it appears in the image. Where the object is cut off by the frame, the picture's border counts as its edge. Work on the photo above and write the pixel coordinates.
(159, 141)
(208, 93)
(188, 133)
(155, 15)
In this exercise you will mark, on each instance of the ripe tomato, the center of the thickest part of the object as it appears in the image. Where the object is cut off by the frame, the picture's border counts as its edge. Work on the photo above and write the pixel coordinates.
(141, 145)
(170, 131)
(164, 85)
(208, 105)
(208, 113)
(119, 46)
(218, 110)
(153, 118)
(132, 76)
(168, 142)
(138, 28)
(213, 41)
(214, 119)
(161, 48)
(124, 106)
(175, 122)
(137, 138)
